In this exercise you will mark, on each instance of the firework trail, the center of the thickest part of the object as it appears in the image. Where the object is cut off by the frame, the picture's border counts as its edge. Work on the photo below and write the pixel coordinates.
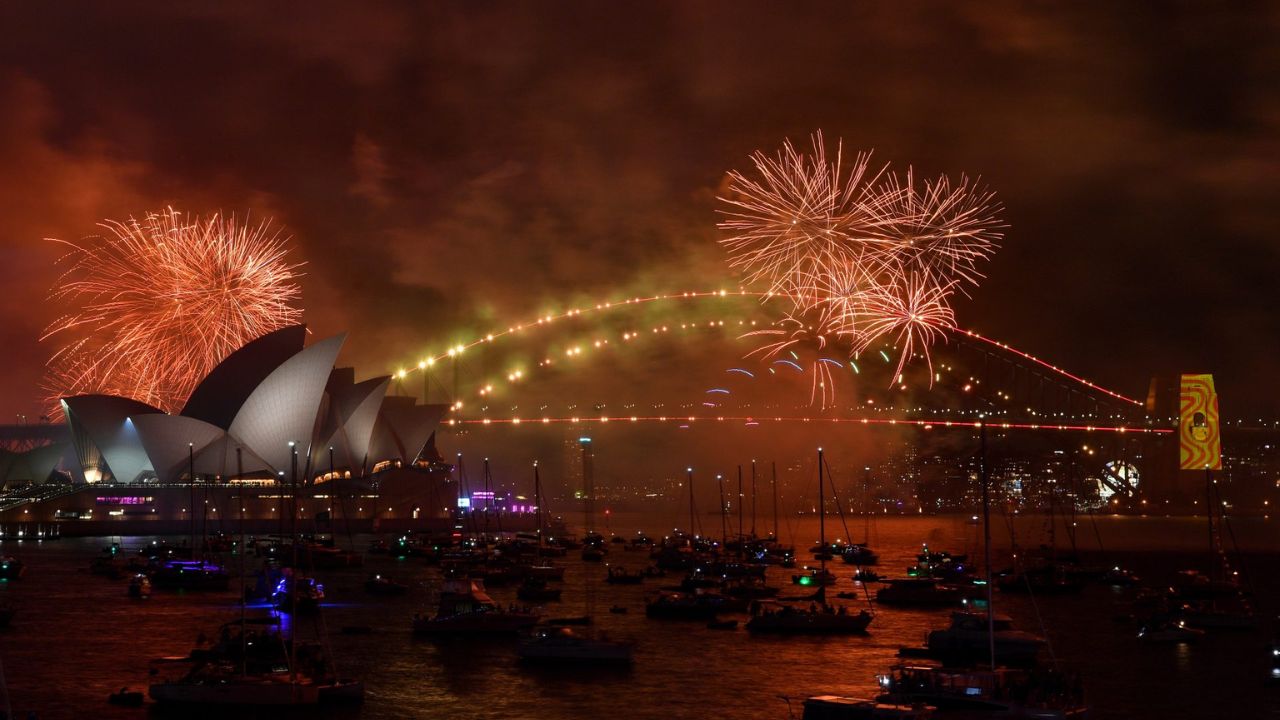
(858, 257)
(160, 301)
(817, 328)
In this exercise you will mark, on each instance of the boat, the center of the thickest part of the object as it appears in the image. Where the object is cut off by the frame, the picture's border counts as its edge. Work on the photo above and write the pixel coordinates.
(1168, 631)
(465, 609)
(866, 576)
(382, 585)
(618, 609)
(941, 565)
(814, 576)
(248, 669)
(110, 566)
(967, 641)
(824, 619)
(859, 554)
(297, 593)
(1217, 615)
(749, 588)
(984, 692)
(222, 687)
(561, 645)
(834, 707)
(140, 587)
(621, 576)
(685, 606)
(190, 575)
(11, 568)
(1195, 585)
(341, 691)
(535, 590)
(722, 625)
(918, 592)
(1046, 579)
(327, 557)
(542, 572)
(1119, 577)
(126, 698)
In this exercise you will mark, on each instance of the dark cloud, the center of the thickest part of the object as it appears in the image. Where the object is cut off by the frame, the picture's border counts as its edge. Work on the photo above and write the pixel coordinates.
(444, 166)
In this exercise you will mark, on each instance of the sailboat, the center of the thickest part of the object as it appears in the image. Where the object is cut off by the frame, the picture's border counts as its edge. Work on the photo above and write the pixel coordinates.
(534, 588)
(861, 554)
(820, 618)
(559, 645)
(987, 690)
(1215, 601)
(226, 680)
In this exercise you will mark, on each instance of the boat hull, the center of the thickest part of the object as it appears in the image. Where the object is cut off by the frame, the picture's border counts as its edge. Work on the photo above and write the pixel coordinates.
(235, 693)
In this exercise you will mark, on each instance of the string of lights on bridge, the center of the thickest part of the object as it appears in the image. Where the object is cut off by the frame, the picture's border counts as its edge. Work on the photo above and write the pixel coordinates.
(545, 320)
(754, 420)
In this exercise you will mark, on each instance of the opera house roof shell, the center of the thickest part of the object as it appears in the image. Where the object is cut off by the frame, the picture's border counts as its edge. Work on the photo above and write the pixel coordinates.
(249, 415)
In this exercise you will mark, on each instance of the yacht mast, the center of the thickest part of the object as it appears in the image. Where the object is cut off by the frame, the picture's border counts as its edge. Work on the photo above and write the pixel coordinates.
(724, 521)
(741, 546)
(822, 521)
(986, 538)
(537, 506)
(773, 469)
(753, 499)
(690, 482)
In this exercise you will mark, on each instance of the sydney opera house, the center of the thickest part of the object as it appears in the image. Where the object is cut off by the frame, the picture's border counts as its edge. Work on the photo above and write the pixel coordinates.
(272, 417)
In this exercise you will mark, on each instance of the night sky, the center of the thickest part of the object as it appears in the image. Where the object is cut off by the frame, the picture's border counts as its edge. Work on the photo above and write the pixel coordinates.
(449, 166)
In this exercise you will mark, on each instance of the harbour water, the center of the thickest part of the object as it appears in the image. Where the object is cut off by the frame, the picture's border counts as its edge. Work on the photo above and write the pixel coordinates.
(77, 637)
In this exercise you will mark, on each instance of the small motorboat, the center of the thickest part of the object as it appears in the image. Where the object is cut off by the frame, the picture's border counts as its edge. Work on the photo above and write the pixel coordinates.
(1170, 632)
(865, 575)
(814, 576)
(537, 590)
(621, 576)
(466, 609)
(860, 555)
(126, 698)
(722, 625)
(140, 587)
(918, 592)
(562, 646)
(1119, 577)
(618, 610)
(832, 707)
(297, 593)
(11, 568)
(382, 585)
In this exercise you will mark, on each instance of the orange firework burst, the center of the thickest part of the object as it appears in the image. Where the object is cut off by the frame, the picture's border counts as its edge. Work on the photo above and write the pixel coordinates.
(799, 214)
(938, 226)
(856, 257)
(160, 301)
(915, 308)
